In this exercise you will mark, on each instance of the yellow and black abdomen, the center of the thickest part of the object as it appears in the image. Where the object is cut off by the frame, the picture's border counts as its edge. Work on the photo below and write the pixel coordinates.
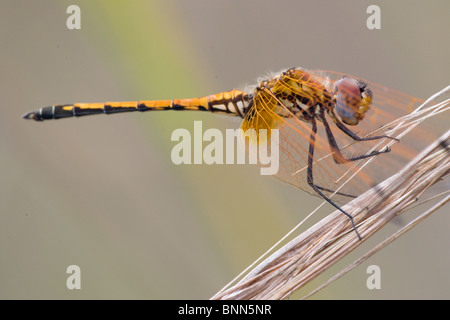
(232, 102)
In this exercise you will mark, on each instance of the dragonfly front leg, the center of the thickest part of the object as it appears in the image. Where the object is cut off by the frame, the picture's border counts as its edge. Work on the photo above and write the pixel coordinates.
(355, 137)
(337, 154)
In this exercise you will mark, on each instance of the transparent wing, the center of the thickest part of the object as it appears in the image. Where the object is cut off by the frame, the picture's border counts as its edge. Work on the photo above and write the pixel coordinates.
(340, 182)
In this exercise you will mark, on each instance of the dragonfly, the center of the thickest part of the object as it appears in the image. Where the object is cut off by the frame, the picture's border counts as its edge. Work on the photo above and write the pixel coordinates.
(313, 111)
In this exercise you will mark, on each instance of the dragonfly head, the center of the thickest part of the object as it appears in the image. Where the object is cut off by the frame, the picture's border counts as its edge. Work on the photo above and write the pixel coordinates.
(352, 100)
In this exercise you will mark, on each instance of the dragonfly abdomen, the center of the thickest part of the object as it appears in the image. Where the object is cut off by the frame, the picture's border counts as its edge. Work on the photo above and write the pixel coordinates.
(234, 102)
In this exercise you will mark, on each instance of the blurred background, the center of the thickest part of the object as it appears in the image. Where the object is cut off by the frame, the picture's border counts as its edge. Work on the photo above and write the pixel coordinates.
(102, 193)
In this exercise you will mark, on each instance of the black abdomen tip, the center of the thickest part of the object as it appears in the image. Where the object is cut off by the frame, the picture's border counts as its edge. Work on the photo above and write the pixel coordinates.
(32, 116)
(42, 114)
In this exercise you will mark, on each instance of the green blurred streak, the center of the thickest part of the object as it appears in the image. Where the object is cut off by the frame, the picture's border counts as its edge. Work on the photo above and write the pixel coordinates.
(165, 67)
(153, 63)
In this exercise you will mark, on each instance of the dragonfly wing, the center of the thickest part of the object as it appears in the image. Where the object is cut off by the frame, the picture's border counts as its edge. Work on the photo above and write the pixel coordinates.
(340, 182)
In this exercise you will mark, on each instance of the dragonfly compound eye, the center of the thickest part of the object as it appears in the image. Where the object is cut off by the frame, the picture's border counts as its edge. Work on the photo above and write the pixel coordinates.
(353, 100)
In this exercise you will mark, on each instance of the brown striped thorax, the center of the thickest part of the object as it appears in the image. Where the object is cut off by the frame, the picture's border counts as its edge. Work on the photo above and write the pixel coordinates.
(301, 92)
(298, 93)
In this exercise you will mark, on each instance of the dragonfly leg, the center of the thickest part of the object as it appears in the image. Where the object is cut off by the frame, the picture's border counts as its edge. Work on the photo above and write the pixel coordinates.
(310, 178)
(355, 137)
(336, 192)
(350, 133)
(337, 155)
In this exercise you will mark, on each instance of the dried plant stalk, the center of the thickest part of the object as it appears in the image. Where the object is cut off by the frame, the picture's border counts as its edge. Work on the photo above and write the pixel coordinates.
(328, 241)
(382, 244)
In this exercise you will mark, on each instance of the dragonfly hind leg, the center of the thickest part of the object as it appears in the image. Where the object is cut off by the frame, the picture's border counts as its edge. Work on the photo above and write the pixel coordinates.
(310, 178)
(336, 192)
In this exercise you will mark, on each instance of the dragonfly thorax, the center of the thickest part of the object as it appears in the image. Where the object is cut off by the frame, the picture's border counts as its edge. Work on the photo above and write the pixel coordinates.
(297, 93)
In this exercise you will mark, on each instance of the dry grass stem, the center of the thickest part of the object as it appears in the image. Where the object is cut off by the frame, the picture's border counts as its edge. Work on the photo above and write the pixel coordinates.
(383, 244)
(321, 246)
